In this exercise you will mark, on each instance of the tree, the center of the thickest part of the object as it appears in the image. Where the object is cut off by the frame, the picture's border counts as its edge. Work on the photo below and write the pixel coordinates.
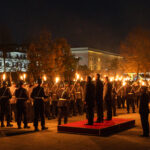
(136, 51)
(41, 55)
(114, 66)
(50, 57)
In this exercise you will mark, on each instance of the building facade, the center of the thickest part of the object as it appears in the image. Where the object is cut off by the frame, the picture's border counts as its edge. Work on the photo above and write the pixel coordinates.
(96, 60)
(13, 59)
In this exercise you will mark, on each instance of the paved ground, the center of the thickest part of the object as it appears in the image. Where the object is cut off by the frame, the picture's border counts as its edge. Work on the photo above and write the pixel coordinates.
(14, 139)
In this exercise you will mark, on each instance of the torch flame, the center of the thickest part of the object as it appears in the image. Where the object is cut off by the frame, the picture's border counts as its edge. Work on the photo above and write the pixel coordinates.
(44, 78)
(57, 79)
(21, 77)
(4, 77)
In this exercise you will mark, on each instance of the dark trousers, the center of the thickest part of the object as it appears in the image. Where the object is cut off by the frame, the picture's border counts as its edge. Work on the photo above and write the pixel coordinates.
(90, 114)
(47, 110)
(119, 101)
(79, 104)
(39, 112)
(100, 114)
(54, 108)
(114, 106)
(109, 109)
(72, 108)
(5, 110)
(123, 101)
(62, 113)
(21, 111)
(145, 123)
(130, 103)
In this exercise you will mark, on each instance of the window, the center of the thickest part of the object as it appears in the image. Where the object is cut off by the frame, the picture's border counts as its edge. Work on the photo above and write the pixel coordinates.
(7, 64)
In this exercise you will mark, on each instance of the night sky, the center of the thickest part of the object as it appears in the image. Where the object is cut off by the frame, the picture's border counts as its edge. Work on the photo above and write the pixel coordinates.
(99, 24)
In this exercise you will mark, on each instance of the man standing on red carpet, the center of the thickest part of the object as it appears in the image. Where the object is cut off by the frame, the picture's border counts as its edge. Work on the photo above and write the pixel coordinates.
(89, 100)
(107, 96)
(99, 98)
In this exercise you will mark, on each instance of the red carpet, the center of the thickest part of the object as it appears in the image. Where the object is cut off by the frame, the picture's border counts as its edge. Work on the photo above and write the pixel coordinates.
(101, 129)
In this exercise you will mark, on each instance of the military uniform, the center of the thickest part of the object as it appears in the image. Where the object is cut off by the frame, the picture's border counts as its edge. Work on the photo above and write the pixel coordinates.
(72, 104)
(5, 95)
(130, 99)
(38, 95)
(79, 98)
(63, 106)
(21, 106)
(55, 97)
(114, 101)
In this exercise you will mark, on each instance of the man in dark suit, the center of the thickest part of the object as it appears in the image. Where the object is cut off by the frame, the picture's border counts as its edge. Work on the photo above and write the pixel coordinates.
(89, 100)
(38, 95)
(107, 96)
(99, 99)
(144, 111)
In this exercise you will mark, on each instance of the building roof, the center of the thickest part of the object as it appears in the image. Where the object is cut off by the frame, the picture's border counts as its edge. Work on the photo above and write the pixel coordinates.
(92, 49)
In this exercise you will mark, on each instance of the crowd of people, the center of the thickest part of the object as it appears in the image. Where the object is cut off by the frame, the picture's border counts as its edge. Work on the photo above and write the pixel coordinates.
(33, 102)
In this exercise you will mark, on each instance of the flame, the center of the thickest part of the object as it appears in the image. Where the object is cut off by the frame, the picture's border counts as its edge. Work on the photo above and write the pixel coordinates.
(4, 77)
(77, 76)
(124, 83)
(21, 77)
(57, 79)
(44, 78)
(24, 76)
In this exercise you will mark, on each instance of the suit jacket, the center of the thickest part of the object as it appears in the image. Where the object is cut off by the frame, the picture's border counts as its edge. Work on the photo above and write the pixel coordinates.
(90, 95)
(144, 104)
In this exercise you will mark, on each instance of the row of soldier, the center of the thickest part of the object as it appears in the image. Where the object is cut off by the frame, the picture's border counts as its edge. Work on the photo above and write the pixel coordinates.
(23, 101)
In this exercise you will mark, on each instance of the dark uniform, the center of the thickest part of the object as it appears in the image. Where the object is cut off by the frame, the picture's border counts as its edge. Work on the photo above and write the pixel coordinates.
(5, 95)
(72, 104)
(99, 100)
(108, 99)
(90, 100)
(79, 98)
(21, 106)
(38, 95)
(144, 112)
(63, 106)
(130, 99)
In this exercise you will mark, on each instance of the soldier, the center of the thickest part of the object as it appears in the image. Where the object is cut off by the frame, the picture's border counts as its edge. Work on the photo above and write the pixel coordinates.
(144, 111)
(107, 96)
(38, 95)
(89, 100)
(99, 99)
(5, 95)
(54, 98)
(79, 98)
(13, 102)
(47, 101)
(130, 98)
(21, 105)
(72, 106)
(63, 105)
